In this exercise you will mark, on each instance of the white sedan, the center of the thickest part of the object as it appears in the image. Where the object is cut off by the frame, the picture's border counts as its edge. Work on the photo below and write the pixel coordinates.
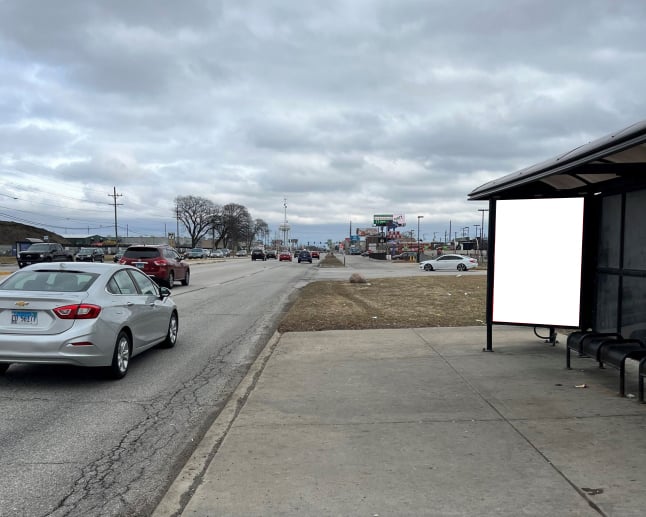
(450, 262)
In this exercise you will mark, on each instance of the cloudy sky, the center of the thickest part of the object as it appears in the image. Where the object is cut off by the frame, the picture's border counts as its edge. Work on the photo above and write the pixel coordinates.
(345, 108)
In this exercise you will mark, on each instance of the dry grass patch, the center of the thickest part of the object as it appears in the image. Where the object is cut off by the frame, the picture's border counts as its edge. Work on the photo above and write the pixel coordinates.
(417, 301)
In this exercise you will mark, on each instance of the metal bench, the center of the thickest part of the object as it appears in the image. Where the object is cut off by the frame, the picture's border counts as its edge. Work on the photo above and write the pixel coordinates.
(642, 373)
(615, 354)
(577, 340)
(609, 348)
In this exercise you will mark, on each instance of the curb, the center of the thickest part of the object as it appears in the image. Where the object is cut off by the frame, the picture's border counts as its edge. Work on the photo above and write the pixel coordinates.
(190, 476)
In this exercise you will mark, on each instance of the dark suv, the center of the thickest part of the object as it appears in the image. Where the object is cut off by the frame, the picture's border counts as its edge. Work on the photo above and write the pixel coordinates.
(258, 254)
(89, 255)
(304, 256)
(161, 262)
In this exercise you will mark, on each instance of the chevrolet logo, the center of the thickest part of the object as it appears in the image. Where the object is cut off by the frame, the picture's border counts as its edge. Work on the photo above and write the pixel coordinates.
(22, 304)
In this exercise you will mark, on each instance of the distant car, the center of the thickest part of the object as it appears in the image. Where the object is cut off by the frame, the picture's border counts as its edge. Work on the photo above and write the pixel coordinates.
(284, 255)
(315, 254)
(196, 253)
(271, 254)
(304, 256)
(406, 255)
(241, 253)
(161, 262)
(83, 314)
(450, 262)
(217, 254)
(226, 252)
(90, 255)
(258, 254)
(117, 257)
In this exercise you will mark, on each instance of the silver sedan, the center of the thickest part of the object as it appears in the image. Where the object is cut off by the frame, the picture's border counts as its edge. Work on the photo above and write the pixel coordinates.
(84, 314)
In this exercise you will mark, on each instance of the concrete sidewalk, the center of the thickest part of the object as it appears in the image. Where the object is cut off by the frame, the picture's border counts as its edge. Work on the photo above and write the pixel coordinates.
(419, 422)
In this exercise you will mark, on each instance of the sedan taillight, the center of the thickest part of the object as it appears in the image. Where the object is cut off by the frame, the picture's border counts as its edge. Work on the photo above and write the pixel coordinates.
(83, 311)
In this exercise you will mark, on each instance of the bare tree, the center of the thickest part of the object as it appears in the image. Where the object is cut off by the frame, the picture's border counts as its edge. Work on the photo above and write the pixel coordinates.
(196, 214)
(247, 231)
(261, 230)
(230, 223)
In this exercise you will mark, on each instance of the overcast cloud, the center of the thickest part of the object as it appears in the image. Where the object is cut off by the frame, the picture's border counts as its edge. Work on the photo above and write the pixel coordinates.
(346, 108)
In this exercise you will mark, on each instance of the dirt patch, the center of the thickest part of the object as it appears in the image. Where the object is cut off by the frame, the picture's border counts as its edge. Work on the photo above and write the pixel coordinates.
(426, 300)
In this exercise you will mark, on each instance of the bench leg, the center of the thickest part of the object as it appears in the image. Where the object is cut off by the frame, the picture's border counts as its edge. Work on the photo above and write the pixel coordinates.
(640, 375)
(622, 378)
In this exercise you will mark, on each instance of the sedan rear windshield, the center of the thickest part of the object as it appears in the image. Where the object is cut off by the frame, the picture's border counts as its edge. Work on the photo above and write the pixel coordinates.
(141, 253)
(65, 281)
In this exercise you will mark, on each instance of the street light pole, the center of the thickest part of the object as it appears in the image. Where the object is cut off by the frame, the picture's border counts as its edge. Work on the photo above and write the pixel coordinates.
(418, 239)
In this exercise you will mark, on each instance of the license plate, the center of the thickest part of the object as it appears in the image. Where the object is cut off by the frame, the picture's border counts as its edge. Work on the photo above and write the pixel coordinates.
(24, 318)
(140, 265)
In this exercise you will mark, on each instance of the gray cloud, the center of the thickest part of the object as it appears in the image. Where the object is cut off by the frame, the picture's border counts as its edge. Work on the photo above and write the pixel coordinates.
(347, 108)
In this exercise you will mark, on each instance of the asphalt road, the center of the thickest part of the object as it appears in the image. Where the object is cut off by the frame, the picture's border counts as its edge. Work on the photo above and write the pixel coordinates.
(75, 444)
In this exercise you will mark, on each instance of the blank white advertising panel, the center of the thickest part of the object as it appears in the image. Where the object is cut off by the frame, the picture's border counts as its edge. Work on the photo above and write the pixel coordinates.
(537, 262)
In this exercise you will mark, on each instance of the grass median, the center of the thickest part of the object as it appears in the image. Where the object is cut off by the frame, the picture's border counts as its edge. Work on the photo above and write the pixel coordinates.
(424, 300)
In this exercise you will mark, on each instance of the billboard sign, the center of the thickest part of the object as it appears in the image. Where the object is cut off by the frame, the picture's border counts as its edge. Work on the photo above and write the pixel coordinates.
(399, 220)
(382, 219)
(365, 232)
(389, 220)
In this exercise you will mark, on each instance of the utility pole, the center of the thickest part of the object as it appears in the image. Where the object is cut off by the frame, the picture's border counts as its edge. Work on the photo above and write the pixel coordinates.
(419, 241)
(483, 210)
(177, 223)
(450, 229)
(114, 196)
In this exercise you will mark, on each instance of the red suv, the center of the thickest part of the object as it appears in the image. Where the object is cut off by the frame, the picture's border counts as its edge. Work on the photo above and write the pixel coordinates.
(160, 262)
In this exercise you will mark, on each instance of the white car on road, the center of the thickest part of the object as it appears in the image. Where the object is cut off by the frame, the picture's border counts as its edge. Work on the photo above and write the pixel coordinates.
(450, 262)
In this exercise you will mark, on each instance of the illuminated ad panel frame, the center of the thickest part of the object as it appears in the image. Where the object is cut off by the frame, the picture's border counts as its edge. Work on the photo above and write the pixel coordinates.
(538, 261)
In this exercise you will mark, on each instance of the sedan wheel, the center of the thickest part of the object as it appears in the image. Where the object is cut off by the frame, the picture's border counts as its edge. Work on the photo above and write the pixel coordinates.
(171, 336)
(428, 267)
(121, 357)
(462, 267)
(187, 278)
(171, 280)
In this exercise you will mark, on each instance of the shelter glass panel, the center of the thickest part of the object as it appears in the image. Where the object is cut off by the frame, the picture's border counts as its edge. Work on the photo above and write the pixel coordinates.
(635, 236)
(607, 298)
(610, 232)
(633, 308)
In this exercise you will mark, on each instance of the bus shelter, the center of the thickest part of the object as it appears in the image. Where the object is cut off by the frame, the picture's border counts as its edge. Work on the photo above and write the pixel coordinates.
(567, 239)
